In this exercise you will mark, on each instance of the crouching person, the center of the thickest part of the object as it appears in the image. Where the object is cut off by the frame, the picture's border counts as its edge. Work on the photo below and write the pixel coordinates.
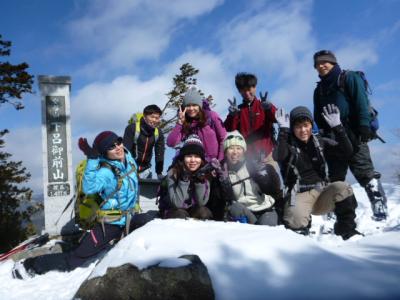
(247, 188)
(185, 190)
(112, 173)
(301, 157)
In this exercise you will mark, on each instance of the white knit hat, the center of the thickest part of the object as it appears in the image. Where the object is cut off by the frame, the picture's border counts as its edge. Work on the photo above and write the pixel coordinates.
(234, 138)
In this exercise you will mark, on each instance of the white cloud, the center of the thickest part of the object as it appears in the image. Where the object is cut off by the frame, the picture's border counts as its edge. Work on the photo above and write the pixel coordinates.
(357, 54)
(121, 33)
(274, 38)
(25, 144)
(100, 106)
(276, 43)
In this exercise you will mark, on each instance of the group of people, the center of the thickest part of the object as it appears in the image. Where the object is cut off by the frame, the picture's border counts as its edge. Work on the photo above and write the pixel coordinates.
(230, 170)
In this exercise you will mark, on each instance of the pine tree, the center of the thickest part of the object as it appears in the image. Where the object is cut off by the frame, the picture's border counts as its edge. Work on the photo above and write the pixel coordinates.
(12, 195)
(14, 79)
(182, 82)
(14, 82)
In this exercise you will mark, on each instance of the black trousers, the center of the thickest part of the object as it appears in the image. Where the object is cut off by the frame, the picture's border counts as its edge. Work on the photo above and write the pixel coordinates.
(360, 164)
(92, 244)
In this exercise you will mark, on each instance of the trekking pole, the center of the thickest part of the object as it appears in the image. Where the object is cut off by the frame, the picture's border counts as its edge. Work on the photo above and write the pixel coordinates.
(380, 138)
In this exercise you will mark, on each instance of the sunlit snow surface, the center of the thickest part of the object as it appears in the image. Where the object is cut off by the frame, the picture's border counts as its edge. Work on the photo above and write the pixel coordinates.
(252, 262)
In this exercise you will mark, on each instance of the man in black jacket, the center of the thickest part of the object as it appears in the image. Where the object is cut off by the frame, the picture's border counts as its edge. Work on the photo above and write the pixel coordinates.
(347, 90)
(301, 157)
(141, 136)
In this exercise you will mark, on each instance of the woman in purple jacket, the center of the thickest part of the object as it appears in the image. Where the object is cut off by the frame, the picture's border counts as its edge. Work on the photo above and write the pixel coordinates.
(196, 117)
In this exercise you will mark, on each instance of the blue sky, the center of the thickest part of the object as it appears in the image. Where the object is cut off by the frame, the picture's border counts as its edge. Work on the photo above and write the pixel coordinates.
(122, 55)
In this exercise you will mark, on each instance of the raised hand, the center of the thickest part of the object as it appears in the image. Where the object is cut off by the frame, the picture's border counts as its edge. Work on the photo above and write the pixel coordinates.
(181, 115)
(90, 152)
(331, 115)
(264, 101)
(282, 118)
(233, 108)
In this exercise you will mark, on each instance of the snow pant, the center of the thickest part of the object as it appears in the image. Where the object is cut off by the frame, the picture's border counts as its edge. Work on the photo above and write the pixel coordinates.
(360, 164)
(92, 244)
(239, 212)
(197, 212)
(316, 202)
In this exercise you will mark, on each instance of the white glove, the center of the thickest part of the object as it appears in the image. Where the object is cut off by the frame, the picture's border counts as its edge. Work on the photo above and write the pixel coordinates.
(282, 118)
(331, 115)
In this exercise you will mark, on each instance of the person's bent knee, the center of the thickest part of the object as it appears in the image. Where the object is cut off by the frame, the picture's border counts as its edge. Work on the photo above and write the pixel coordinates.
(341, 190)
(296, 220)
(201, 212)
(177, 213)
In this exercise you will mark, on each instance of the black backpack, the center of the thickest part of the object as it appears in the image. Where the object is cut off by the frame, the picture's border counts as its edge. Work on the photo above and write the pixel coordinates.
(374, 124)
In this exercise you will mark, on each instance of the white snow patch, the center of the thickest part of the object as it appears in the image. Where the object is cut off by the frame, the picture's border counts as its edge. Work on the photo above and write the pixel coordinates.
(251, 262)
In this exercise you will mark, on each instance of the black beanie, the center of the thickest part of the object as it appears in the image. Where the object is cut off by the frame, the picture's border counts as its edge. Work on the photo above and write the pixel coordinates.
(104, 141)
(300, 112)
(324, 55)
(192, 145)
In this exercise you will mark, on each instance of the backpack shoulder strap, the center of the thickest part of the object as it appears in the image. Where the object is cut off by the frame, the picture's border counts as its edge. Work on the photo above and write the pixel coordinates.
(320, 152)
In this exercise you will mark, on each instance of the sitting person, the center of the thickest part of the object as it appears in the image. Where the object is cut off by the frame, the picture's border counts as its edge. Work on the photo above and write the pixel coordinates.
(141, 136)
(115, 216)
(248, 189)
(184, 191)
(196, 117)
(301, 157)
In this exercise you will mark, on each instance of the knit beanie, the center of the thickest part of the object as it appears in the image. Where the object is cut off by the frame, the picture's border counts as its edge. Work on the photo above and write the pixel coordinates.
(192, 145)
(193, 96)
(104, 141)
(324, 55)
(300, 112)
(234, 138)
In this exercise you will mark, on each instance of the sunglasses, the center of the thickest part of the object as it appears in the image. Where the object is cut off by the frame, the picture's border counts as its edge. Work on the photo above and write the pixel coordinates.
(117, 143)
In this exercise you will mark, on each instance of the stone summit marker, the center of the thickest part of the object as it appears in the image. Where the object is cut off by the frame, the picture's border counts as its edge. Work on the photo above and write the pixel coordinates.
(57, 156)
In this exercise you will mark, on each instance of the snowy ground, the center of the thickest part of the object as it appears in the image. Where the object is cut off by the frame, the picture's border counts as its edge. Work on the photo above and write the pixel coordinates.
(253, 262)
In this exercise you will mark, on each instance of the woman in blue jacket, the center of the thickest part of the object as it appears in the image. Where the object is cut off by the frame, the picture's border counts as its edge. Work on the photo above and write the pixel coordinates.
(110, 172)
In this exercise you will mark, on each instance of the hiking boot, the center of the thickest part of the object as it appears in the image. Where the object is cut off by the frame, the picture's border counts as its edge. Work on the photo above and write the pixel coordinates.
(20, 272)
(345, 225)
(378, 200)
(351, 234)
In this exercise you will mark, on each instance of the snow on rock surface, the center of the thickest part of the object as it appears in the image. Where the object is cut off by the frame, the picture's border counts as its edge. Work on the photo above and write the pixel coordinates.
(252, 262)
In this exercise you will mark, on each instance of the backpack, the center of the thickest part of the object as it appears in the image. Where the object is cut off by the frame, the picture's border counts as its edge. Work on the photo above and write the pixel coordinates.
(87, 206)
(136, 118)
(374, 123)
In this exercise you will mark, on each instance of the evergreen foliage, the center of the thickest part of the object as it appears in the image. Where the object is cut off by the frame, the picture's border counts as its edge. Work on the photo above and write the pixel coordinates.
(182, 82)
(15, 208)
(14, 79)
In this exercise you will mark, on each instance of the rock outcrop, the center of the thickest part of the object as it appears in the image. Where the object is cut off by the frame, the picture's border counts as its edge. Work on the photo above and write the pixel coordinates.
(155, 282)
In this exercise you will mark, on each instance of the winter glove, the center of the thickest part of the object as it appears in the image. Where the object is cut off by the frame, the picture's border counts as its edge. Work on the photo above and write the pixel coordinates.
(233, 108)
(186, 175)
(201, 173)
(282, 118)
(266, 105)
(90, 152)
(331, 115)
(365, 133)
